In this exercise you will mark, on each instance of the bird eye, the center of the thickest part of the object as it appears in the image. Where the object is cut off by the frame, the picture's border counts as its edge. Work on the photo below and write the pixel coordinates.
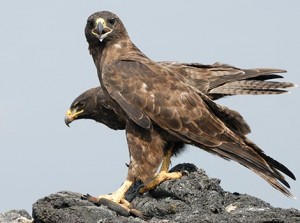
(79, 104)
(111, 21)
(90, 23)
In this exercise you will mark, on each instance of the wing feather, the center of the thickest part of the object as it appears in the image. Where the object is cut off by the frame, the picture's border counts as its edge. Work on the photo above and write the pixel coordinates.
(158, 97)
(175, 107)
(135, 114)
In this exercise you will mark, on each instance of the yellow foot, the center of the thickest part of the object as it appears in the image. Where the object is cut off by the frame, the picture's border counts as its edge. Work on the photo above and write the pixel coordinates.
(114, 197)
(116, 201)
(119, 195)
(159, 178)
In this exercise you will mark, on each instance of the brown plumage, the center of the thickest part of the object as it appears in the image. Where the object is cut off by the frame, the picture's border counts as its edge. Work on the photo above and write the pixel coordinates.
(219, 80)
(215, 81)
(93, 104)
(162, 112)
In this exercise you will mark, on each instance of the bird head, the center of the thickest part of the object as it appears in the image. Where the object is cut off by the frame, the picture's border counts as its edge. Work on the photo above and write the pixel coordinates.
(83, 107)
(103, 26)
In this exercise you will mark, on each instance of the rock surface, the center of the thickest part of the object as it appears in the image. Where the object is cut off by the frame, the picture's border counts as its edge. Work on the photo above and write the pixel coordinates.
(194, 198)
(15, 216)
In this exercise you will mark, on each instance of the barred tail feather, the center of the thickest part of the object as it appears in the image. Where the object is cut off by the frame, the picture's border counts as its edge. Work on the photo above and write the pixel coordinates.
(252, 87)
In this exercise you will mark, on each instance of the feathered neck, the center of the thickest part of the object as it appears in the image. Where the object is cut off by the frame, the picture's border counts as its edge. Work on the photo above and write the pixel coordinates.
(106, 52)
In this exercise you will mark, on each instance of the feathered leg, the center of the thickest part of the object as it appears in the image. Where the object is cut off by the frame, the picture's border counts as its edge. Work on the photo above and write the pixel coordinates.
(163, 174)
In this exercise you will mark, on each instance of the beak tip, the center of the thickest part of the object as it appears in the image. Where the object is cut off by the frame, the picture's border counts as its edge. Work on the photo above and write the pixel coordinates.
(67, 121)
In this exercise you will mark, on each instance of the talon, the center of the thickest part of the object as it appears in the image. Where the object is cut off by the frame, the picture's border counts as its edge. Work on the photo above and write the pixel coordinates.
(185, 173)
(84, 197)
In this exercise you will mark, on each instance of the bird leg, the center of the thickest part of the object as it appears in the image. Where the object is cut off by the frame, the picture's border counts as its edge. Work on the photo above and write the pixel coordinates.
(163, 174)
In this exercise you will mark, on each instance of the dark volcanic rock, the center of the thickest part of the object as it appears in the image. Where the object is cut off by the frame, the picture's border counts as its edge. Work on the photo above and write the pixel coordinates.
(194, 198)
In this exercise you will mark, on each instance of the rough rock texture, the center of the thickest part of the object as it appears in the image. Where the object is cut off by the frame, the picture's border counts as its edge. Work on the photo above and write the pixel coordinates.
(15, 216)
(194, 198)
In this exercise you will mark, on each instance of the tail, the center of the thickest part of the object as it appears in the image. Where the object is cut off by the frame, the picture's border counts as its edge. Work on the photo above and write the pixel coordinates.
(219, 80)
(251, 87)
(252, 157)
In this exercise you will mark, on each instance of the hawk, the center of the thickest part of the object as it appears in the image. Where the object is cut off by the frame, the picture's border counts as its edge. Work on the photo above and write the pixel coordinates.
(216, 81)
(162, 113)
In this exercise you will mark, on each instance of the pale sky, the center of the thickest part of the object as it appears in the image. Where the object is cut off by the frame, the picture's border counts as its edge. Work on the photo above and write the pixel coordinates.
(45, 64)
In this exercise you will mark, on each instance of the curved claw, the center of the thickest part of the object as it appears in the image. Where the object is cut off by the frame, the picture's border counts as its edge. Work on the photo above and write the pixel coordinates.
(185, 173)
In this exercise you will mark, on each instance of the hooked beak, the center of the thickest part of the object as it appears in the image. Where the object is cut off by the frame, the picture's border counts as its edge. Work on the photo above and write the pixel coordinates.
(101, 30)
(71, 115)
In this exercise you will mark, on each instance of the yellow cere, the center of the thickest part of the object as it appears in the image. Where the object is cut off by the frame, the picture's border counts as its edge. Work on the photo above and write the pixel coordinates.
(102, 21)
